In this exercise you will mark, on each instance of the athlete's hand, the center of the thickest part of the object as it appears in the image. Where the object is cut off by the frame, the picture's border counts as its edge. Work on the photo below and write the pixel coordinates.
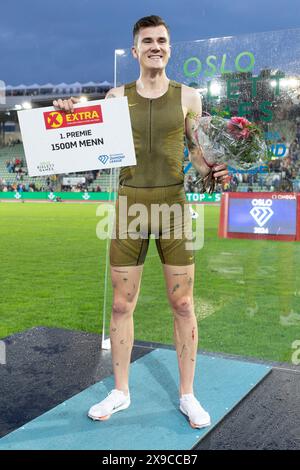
(66, 105)
(221, 174)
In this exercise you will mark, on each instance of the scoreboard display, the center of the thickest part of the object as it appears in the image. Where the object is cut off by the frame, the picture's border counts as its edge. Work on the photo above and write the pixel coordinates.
(260, 215)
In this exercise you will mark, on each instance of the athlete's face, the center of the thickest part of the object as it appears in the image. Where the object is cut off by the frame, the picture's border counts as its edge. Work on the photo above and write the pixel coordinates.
(152, 49)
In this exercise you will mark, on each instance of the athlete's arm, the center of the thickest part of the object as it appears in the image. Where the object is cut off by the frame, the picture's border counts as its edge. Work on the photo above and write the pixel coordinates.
(191, 102)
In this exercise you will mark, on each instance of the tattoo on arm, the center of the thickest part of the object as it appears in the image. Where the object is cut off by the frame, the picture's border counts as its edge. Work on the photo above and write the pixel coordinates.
(192, 136)
(193, 115)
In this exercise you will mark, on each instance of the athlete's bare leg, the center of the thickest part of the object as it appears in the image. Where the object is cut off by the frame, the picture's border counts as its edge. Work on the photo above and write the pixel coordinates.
(126, 285)
(179, 283)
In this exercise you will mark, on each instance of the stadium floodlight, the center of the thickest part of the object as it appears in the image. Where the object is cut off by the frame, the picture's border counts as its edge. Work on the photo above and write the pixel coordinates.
(286, 82)
(83, 99)
(215, 88)
(292, 82)
(117, 52)
(26, 105)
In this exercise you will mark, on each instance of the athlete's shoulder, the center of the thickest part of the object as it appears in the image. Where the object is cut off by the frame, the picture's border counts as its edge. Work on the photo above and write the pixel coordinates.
(129, 85)
(189, 91)
(190, 98)
(175, 84)
(117, 92)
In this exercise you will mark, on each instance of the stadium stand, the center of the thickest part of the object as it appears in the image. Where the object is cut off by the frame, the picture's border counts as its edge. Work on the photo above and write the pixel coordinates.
(12, 180)
(283, 173)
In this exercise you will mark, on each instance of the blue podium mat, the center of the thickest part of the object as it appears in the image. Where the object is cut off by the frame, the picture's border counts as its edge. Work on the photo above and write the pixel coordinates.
(153, 421)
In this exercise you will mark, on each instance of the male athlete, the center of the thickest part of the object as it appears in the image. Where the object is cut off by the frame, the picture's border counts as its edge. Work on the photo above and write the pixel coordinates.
(162, 112)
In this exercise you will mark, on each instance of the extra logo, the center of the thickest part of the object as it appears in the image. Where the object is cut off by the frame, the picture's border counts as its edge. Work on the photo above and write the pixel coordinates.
(103, 159)
(80, 117)
(261, 212)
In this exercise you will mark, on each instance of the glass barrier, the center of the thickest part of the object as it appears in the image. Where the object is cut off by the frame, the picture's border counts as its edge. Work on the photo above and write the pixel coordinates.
(247, 298)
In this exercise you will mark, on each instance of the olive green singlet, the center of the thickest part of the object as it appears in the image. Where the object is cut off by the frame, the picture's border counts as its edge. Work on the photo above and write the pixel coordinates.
(157, 179)
(158, 134)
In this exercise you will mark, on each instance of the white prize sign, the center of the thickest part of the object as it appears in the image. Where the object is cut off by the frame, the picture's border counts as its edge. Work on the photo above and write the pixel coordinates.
(96, 135)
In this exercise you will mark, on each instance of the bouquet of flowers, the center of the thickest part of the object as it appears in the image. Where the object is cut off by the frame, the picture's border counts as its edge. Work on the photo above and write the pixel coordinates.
(236, 142)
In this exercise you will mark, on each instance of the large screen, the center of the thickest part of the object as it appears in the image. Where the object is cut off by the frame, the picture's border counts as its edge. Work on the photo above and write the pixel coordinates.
(274, 215)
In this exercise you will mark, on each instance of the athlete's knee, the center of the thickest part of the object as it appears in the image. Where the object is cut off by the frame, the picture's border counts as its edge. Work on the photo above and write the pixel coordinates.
(121, 307)
(183, 306)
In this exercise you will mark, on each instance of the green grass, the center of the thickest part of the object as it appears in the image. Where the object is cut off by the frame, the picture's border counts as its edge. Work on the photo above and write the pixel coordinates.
(52, 270)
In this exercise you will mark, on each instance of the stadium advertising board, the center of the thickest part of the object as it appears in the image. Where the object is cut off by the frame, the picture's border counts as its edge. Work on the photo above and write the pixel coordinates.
(260, 215)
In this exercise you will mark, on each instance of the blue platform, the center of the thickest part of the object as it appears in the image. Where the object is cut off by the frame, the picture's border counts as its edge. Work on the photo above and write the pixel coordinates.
(153, 421)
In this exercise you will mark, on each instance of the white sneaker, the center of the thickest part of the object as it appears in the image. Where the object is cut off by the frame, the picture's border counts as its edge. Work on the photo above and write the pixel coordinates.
(190, 406)
(115, 401)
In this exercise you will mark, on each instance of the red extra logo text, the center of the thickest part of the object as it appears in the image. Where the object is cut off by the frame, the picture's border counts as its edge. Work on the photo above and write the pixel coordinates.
(80, 117)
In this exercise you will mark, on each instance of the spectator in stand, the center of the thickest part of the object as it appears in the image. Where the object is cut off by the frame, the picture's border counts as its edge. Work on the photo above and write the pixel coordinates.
(90, 177)
(234, 183)
(11, 167)
(276, 181)
(261, 181)
(226, 187)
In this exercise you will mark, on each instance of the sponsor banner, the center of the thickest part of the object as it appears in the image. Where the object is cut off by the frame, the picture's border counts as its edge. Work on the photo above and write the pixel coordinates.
(273, 214)
(191, 197)
(197, 197)
(72, 181)
(80, 117)
(93, 137)
(52, 196)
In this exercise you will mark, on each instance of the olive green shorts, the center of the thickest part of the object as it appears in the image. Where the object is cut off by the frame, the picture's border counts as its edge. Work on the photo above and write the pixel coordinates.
(160, 211)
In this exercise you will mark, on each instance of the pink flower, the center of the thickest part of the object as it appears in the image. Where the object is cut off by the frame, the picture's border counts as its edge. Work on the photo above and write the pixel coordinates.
(240, 122)
(239, 127)
(244, 133)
